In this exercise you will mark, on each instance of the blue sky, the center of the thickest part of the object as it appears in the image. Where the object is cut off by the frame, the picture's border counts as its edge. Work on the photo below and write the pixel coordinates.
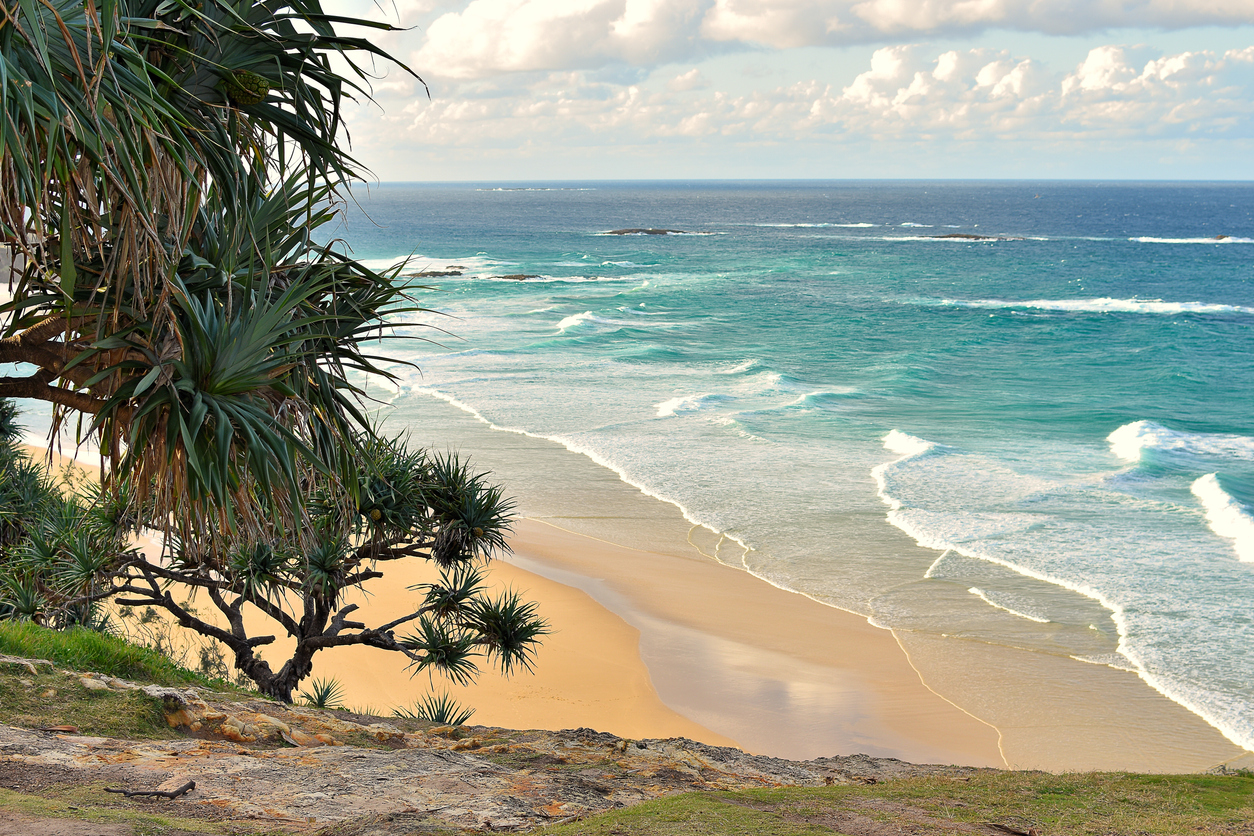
(643, 89)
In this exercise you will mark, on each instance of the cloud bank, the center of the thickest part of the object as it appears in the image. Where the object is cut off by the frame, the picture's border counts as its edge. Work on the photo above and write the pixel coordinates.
(907, 93)
(488, 37)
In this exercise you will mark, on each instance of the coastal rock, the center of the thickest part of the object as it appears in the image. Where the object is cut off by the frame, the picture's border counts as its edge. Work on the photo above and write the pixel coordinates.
(29, 664)
(433, 273)
(643, 231)
(517, 277)
(290, 765)
(967, 236)
(477, 778)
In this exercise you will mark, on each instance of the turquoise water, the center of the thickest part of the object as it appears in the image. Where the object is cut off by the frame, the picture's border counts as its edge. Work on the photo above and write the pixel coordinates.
(1061, 412)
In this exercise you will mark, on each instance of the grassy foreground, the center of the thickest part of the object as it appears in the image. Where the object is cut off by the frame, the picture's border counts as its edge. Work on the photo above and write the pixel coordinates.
(87, 650)
(1092, 804)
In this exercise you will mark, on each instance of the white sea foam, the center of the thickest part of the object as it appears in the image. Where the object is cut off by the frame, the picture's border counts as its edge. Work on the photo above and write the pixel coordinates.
(1104, 305)
(1227, 517)
(577, 319)
(918, 226)
(597, 458)
(906, 445)
(546, 279)
(820, 226)
(740, 368)
(984, 596)
(1227, 239)
(949, 239)
(689, 403)
(944, 532)
(641, 320)
(1110, 660)
(1131, 440)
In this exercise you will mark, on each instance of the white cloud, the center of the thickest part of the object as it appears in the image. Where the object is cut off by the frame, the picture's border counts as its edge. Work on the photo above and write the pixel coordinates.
(691, 80)
(495, 36)
(480, 38)
(784, 23)
(907, 96)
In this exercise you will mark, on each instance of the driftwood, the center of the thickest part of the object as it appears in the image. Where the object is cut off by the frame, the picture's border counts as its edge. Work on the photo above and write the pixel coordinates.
(183, 790)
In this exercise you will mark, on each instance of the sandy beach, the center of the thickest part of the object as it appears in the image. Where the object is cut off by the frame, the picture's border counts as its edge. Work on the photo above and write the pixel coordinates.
(662, 640)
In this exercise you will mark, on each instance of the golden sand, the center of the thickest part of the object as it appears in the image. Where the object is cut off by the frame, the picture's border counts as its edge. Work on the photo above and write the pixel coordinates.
(667, 642)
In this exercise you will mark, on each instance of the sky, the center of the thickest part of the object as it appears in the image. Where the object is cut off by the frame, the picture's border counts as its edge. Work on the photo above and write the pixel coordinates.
(803, 89)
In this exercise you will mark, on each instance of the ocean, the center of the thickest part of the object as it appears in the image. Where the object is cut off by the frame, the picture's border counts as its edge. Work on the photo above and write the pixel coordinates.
(1057, 405)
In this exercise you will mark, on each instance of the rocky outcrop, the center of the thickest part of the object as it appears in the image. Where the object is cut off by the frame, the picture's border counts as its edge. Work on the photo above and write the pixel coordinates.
(641, 231)
(290, 765)
(967, 236)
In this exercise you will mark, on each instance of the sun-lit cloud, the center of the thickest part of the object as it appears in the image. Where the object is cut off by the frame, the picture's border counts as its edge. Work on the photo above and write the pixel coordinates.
(486, 37)
(906, 92)
(555, 79)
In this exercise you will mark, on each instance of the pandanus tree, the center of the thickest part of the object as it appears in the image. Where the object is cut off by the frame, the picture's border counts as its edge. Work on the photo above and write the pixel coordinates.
(166, 169)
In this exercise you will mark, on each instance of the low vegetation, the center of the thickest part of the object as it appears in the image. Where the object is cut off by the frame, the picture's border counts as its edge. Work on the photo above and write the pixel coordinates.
(1089, 804)
(88, 650)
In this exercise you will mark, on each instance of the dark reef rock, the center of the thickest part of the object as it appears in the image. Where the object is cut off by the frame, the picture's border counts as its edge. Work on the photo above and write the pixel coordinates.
(517, 277)
(967, 236)
(640, 231)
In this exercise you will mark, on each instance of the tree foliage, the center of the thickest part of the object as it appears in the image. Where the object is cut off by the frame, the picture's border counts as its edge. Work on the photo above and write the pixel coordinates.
(167, 168)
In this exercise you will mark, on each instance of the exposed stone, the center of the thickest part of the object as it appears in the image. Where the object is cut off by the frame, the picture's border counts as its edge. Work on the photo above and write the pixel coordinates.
(287, 764)
(29, 664)
(646, 231)
(92, 684)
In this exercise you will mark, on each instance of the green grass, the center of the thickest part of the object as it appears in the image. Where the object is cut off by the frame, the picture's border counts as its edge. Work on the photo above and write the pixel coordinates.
(87, 650)
(57, 698)
(1093, 804)
(84, 803)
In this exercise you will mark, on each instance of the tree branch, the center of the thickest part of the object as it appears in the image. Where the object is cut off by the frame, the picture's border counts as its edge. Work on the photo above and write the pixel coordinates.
(37, 387)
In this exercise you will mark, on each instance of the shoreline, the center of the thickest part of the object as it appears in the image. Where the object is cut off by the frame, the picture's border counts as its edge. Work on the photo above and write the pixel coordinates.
(720, 645)
(665, 641)
(1052, 711)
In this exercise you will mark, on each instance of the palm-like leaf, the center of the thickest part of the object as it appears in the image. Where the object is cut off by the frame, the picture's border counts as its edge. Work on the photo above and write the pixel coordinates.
(440, 708)
(509, 630)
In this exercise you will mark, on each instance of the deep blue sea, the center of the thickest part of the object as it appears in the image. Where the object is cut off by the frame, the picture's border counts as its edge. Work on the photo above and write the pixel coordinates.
(1062, 411)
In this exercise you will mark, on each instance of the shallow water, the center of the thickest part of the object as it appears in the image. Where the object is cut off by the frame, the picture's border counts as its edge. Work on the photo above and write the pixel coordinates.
(1060, 413)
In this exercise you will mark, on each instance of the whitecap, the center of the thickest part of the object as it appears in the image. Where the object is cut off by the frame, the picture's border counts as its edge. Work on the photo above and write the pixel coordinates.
(689, 403)
(576, 319)
(819, 225)
(1131, 440)
(1103, 305)
(1226, 517)
(907, 445)
(741, 367)
(1214, 239)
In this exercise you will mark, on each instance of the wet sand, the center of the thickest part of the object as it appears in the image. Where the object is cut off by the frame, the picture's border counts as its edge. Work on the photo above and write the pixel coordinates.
(663, 640)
